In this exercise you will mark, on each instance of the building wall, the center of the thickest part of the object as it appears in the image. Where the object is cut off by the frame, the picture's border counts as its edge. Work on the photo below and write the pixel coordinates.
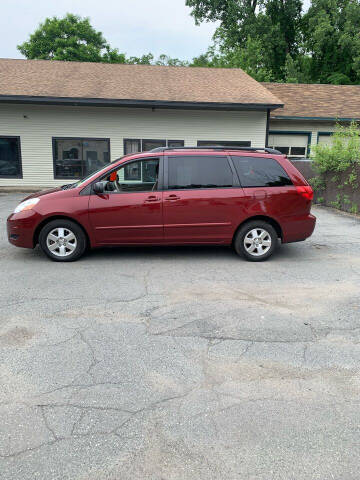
(37, 125)
(314, 129)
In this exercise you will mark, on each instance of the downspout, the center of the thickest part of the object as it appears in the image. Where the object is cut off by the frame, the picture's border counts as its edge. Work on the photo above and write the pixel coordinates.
(267, 127)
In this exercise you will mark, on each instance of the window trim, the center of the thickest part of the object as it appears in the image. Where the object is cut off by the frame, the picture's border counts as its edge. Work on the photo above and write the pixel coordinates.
(20, 175)
(54, 139)
(122, 165)
(222, 142)
(142, 140)
(235, 180)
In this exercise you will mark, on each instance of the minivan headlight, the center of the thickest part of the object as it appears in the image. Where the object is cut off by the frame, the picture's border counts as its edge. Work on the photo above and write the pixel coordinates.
(27, 205)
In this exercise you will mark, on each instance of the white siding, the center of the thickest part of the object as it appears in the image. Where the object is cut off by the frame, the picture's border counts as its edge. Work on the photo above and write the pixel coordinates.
(313, 127)
(36, 125)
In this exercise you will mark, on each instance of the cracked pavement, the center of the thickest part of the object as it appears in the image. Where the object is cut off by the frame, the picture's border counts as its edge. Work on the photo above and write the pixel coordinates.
(182, 363)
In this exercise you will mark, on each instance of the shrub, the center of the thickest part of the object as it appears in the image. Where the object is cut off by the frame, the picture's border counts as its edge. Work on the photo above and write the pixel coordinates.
(343, 154)
(354, 208)
(317, 183)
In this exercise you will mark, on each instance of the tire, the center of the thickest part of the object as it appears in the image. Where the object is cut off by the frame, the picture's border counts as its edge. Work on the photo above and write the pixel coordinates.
(62, 240)
(252, 249)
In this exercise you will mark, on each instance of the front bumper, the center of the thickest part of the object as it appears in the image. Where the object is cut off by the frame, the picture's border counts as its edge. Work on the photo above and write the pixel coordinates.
(21, 228)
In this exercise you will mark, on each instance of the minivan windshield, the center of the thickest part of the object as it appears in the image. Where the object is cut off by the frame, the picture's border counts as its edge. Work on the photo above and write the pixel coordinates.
(93, 174)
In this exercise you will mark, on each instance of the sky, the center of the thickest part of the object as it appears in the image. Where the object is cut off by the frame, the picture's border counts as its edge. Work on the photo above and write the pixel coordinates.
(135, 27)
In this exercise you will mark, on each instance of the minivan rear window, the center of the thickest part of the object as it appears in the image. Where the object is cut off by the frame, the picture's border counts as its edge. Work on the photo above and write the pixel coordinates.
(260, 172)
(200, 171)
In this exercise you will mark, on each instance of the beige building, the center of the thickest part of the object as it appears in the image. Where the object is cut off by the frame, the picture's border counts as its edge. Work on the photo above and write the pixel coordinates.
(61, 120)
(310, 114)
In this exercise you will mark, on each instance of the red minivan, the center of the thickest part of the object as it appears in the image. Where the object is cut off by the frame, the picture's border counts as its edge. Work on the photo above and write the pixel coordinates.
(246, 197)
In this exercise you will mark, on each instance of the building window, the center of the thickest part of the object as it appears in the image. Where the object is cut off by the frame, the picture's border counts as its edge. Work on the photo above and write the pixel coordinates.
(79, 157)
(222, 143)
(132, 171)
(10, 157)
(175, 143)
(293, 144)
(325, 138)
(132, 145)
(150, 144)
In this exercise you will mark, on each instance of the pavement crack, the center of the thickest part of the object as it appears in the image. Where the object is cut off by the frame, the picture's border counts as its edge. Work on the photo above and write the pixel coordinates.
(78, 421)
(47, 423)
(94, 360)
(306, 346)
(31, 449)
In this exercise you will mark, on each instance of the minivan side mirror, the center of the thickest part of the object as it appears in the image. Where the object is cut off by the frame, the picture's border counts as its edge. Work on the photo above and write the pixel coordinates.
(99, 187)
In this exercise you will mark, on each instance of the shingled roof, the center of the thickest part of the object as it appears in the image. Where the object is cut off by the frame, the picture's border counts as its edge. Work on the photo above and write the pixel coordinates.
(62, 82)
(316, 101)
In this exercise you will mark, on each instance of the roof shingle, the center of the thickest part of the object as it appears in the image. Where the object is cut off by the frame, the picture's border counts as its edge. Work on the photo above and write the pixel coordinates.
(316, 100)
(44, 78)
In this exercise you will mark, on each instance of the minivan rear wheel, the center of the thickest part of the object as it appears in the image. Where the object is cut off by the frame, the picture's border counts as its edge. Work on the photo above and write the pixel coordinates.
(62, 240)
(256, 241)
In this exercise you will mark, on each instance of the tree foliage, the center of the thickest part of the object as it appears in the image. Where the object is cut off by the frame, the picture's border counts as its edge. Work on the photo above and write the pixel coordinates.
(266, 31)
(277, 40)
(73, 38)
(68, 38)
(272, 40)
(331, 37)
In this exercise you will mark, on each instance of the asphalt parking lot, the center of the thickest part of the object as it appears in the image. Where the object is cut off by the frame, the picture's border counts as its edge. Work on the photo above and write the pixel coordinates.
(181, 363)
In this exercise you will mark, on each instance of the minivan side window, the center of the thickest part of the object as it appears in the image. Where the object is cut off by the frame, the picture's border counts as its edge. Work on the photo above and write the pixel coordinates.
(260, 172)
(199, 171)
(137, 176)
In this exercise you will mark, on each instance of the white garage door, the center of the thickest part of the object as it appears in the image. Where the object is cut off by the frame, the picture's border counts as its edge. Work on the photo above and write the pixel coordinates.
(294, 146)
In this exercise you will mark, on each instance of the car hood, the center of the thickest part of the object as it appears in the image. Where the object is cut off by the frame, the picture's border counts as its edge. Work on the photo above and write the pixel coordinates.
(43, 192)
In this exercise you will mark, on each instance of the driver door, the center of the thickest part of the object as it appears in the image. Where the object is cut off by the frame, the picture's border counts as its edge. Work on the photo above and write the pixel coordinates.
(130, 212)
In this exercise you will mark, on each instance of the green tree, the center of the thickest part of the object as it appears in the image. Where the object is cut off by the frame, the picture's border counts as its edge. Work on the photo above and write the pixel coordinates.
(298, 70)
(265, 30)
(70, 38)
(235, 17)
(331, 37)
(250, 58)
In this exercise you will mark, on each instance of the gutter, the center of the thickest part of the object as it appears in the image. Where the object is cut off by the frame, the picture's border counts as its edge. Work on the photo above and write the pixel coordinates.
(324, 119)
(108, 102)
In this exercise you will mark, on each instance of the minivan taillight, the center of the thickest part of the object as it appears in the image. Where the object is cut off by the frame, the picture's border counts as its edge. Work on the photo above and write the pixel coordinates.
(305, 191)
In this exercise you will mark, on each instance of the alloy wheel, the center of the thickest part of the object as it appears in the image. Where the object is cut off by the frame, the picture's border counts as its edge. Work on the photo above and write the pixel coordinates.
(61, 242)
(257, 242)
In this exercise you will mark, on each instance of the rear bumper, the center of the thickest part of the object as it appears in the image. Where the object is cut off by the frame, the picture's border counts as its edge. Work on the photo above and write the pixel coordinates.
(21, 227)
(298, 228)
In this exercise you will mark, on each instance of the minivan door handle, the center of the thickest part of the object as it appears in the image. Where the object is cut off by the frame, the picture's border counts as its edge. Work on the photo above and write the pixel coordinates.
(152, 198)
(172, 197)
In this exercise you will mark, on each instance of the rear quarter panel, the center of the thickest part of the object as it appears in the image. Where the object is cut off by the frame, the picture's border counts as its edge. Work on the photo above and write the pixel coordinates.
(283, 204)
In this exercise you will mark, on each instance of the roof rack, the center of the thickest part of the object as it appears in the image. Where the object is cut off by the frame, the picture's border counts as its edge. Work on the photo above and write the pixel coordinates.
(219, 147)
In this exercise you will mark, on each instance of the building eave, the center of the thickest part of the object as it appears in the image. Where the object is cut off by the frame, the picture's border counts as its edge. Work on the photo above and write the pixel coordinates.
(318, 119)
(131, 103)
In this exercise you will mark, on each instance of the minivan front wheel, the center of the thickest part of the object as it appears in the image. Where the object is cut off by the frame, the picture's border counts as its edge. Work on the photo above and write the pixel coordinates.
(256, 241)
(62, 240)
